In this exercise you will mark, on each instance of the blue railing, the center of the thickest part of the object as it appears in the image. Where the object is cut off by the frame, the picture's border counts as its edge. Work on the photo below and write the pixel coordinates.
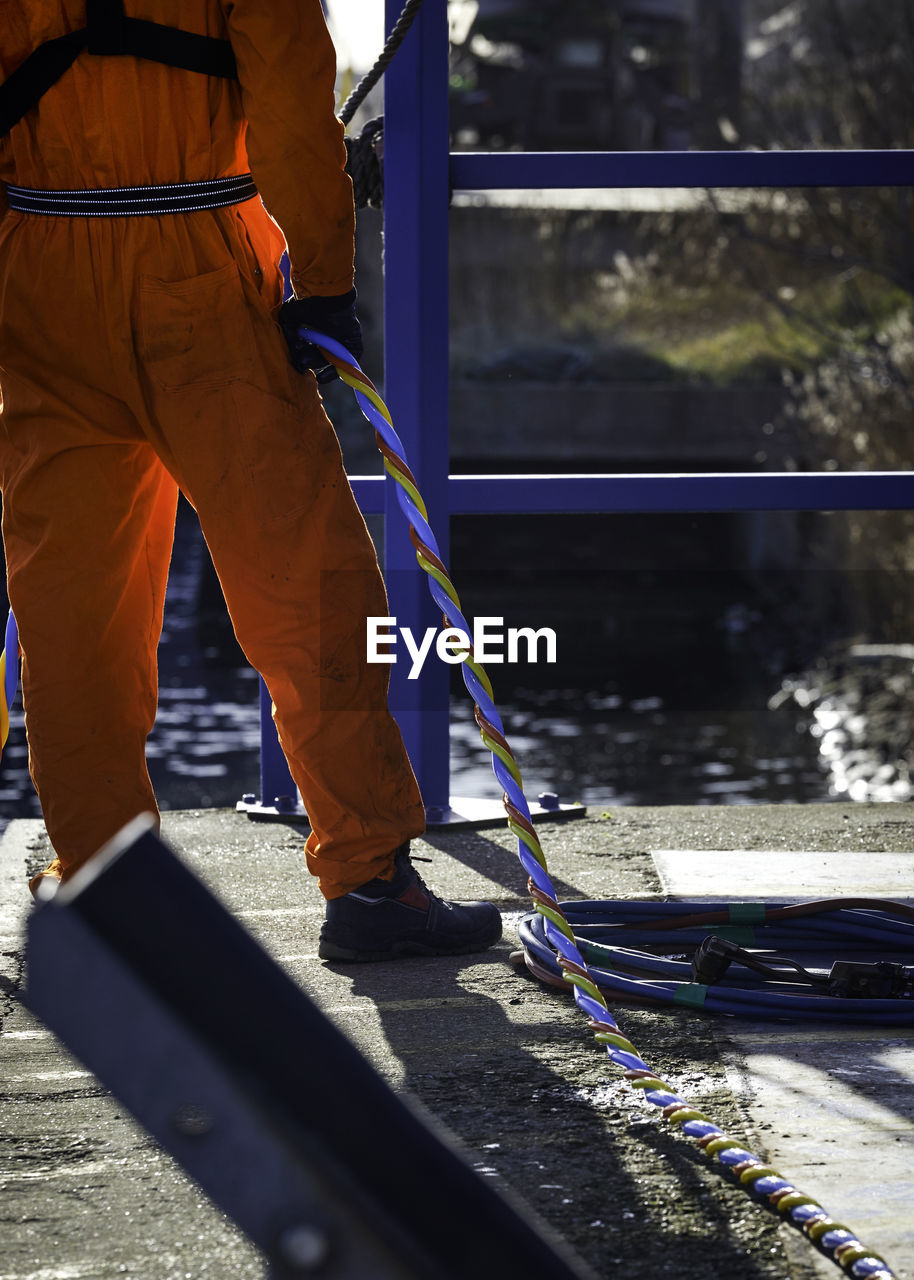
(419, 175)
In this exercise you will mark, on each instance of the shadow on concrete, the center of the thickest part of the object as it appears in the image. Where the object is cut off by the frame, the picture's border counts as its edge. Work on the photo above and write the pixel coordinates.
(516, 1077)
(475, 851)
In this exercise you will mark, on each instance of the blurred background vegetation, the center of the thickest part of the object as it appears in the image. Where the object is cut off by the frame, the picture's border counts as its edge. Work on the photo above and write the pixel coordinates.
(810, 290)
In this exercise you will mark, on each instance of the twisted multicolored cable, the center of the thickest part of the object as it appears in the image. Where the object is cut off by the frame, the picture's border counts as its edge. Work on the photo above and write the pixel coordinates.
(9, 677)
(833, 1238)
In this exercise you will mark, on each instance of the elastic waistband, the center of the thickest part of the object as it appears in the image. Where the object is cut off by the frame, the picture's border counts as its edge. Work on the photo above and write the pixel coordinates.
(181, 197)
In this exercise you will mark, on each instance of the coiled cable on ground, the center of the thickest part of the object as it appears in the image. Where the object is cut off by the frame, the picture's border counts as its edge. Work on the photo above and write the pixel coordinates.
(834, 1239)
(645, 952)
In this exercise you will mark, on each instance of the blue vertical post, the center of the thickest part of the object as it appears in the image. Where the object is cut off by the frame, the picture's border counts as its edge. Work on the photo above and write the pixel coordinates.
(416, 326)
(275, 779)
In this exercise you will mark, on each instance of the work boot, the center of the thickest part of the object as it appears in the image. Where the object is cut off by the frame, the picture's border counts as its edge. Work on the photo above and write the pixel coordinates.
(384, 919)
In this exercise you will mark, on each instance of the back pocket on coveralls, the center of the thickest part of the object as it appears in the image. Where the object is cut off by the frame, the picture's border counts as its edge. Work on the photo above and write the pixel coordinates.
(196, 332)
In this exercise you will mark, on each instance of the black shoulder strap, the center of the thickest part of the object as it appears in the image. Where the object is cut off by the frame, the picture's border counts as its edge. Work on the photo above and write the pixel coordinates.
(109, 32)
(32, 78)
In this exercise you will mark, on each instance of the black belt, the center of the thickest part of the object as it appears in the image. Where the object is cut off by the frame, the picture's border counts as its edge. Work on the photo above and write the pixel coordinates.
(180, 197)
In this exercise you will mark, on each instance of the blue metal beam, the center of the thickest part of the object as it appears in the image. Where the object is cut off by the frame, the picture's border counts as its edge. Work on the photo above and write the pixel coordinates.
(736, 491)
(514, 170)
(416, 360)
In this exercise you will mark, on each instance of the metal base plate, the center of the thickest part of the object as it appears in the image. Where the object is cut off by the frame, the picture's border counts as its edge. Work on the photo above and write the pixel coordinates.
(471, 812)
(294, 813)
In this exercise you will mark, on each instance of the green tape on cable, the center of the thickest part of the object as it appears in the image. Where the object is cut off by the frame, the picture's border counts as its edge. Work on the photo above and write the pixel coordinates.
(597, 953)
(691, 993)
(742, 934)
(747, 912)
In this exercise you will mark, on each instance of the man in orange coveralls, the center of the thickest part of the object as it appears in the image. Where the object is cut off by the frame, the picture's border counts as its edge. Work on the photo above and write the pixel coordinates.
(140, 353)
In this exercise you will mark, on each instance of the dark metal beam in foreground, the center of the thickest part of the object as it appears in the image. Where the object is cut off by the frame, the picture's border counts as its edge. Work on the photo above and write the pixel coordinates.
(730, 491)
(229, 1065)
(516, 170)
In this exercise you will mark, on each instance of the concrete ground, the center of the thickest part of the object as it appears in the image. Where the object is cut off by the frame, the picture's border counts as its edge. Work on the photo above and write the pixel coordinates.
(507, 1065)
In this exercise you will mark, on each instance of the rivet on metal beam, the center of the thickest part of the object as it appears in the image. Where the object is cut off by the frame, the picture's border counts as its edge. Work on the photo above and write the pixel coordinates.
(192, 1121)
(304, 1247)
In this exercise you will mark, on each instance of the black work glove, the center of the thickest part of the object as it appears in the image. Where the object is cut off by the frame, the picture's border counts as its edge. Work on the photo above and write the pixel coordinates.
(333, 316)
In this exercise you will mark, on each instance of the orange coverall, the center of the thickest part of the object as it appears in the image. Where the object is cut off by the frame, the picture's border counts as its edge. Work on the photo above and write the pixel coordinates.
(141, 354)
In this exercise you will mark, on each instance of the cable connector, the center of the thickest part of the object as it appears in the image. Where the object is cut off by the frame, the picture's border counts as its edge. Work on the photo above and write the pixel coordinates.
(714, 956)
(881, 980)
(712, 959)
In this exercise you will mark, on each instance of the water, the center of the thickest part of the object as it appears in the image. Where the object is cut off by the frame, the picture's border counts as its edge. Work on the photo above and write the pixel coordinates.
(632, 739)
(601, 747)
(860, 698)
